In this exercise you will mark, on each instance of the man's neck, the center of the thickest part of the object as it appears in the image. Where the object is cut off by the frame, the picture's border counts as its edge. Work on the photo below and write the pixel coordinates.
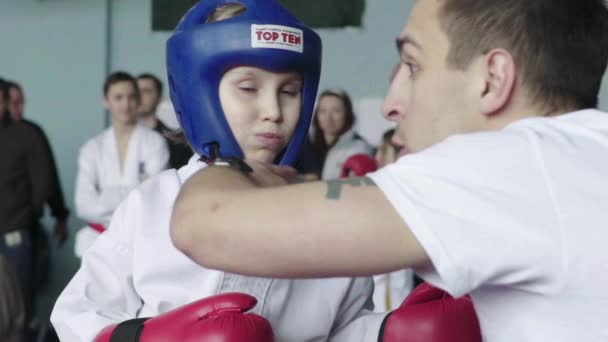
(149, 120)
(519, 110)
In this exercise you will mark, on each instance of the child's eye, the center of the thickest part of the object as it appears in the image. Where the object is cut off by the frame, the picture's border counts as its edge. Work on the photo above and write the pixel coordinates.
(290, 92)
(247, 89)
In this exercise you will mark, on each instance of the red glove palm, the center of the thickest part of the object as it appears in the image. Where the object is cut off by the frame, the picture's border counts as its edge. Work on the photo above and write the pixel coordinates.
(219, 318)
(429, 314)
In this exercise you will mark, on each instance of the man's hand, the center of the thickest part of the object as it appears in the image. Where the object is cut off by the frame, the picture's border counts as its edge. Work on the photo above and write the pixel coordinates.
(270, 175)
(61, 232)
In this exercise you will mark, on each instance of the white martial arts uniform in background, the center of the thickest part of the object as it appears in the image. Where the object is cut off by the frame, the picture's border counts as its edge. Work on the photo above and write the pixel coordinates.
(390, 289)
(101, 184)
(348, 144)
(133, 270)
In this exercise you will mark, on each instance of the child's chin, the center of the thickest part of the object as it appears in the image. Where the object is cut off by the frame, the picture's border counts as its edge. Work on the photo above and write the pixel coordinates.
(262, 156)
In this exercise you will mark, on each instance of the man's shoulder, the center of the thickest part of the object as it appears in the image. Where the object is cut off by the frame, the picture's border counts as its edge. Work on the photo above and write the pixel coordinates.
(30, 131)
(151, 134)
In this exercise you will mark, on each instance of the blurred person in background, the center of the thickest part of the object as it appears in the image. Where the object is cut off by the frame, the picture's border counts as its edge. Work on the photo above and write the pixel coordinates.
(115, 161)
(151, 93)
(40, 251)
(334, 138)
(27, 181)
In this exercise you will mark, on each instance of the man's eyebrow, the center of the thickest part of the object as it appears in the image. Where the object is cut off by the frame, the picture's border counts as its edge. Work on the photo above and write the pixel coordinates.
(405, 40)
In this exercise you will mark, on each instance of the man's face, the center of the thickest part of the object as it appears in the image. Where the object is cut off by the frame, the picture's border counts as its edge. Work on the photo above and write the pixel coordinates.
(428, 100)
(16, 103)
(150, 97)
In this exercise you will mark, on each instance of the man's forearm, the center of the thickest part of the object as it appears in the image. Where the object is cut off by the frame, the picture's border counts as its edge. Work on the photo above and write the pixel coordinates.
(320, 229)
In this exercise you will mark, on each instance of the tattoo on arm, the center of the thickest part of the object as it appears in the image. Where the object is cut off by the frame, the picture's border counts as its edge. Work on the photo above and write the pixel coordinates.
(334, 186)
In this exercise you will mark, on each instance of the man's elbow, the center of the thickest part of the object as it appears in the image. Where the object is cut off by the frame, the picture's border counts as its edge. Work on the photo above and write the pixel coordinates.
(190, 236)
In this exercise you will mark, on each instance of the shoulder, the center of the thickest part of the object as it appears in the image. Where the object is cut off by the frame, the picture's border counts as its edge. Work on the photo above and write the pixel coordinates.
(501, 157)
(360, 142)
(162, 185)
(95, 145)
(150, 134)
(95, 141)
(33, 126)
(153, 196)
(354, 143)
(28, 128)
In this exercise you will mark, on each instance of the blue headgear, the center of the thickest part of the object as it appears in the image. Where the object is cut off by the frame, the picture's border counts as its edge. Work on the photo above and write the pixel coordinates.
(265, 36)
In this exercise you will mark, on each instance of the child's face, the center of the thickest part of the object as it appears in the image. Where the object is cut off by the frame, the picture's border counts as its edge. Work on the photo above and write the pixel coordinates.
(262, 109)
(121, 101)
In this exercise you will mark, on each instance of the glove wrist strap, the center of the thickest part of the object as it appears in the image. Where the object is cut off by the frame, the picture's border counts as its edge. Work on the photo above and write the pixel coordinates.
(383, 327)
(128, 331)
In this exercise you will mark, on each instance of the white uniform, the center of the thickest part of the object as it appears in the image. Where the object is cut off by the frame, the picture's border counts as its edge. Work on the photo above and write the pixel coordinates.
(390, 289)
(133, 270)
(348, 144)
(517, 218)
(100, 183)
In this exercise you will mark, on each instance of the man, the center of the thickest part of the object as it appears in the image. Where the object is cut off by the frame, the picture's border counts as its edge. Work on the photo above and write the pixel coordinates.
(16, 100)
(26, 184)
(56, 202)
(503, 194)
(151, 93)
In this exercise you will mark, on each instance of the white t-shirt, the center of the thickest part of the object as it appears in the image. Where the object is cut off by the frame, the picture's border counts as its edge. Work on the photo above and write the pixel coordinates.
(519, 219)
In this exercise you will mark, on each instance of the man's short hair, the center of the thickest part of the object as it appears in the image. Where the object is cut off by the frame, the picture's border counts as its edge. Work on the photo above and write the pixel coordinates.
(14, 85)
(117, 77)
(157, 83)
(3, 89)
(560, 46)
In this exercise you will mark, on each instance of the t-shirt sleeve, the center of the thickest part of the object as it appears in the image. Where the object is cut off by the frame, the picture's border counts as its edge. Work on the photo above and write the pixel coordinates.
(479, 206)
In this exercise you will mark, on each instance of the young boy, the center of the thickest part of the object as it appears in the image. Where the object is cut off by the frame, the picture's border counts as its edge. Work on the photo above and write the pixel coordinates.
(253, 97)
(114, 161)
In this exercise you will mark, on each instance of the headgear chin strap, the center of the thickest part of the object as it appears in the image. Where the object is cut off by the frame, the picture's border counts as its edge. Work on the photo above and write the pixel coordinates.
(265, 36)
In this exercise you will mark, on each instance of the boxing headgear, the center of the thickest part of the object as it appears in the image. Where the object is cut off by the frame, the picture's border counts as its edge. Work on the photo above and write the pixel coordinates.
(265, 36)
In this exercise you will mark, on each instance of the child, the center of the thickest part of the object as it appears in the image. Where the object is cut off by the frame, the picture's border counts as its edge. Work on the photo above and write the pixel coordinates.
(243, 79)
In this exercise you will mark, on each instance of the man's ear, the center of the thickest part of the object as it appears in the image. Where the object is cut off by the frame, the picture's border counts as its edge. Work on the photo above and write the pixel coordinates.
(500, 81)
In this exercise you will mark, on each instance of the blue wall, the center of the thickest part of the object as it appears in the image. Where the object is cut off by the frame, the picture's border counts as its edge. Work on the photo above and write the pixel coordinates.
(59, 51)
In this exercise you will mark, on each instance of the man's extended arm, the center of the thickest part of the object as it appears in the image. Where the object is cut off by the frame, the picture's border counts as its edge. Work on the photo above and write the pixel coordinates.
(223, 220)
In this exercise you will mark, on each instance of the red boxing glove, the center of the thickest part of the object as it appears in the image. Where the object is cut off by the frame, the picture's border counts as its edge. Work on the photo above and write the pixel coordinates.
(219, 318)
(429, 314)
(360, 164)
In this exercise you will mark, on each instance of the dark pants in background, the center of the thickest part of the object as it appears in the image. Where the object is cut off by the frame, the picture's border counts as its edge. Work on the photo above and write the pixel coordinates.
(16, 249)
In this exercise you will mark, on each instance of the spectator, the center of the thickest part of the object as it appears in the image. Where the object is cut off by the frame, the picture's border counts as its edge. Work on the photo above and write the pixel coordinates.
(334, 138)
(115, 161)
(151, 92)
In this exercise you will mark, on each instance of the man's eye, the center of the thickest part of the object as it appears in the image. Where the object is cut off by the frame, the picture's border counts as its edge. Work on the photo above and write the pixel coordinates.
(413, 68)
